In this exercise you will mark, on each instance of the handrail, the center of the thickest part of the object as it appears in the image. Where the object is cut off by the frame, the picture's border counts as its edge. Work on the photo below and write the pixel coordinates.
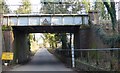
(10, 15)
(106, 49)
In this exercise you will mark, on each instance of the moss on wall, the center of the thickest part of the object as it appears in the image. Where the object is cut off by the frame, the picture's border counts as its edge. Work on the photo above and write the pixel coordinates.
(83, 26)
(110, 40)
(6, 28)
(93, 45)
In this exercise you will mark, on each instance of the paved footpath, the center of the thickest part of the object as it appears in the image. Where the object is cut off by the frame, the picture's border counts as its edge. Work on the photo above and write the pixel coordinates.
(43, 61)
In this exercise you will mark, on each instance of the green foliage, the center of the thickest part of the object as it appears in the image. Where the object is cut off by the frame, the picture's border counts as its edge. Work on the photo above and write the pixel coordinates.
(83, 26)
(31, 36)
(107, 39)
(5, 28)
(24, 8)
(93, 54)
(93, 45)
(63, 8)
(99, 6)
(111, 10)
(86, 4)
(52, 39)
(50, 8)
(3, 7)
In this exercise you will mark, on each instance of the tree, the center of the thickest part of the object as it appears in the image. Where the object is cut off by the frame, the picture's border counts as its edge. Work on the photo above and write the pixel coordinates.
(86, 5)
(107, 10)
(52, 39)
(111, 10)
(54, 8)
(67, 7)
(3, 7)
(24, 8)
(99, 6)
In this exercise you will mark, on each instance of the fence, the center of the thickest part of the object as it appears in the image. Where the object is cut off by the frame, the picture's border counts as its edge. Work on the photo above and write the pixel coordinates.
(97, 59)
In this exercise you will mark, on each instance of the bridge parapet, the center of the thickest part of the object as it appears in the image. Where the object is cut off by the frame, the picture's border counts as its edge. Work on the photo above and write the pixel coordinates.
(44, 19)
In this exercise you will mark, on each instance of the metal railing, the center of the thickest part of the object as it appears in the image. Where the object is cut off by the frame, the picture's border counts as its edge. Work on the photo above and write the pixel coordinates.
(106, 59)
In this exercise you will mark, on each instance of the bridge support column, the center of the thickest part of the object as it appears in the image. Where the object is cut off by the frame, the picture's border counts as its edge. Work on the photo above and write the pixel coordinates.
(76, 43)
(77, 40)
(21, 47)
(84, 38)
(81, 38)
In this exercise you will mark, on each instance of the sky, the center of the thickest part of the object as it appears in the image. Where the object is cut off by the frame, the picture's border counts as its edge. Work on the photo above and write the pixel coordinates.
(33, 2)
(36, 4)
(13, 4)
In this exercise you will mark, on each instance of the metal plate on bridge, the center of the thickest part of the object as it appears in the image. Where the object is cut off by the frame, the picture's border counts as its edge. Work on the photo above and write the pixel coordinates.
(7, 56)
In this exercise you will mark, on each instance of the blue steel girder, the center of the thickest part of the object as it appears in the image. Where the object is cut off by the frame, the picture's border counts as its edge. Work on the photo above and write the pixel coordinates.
(44, 19)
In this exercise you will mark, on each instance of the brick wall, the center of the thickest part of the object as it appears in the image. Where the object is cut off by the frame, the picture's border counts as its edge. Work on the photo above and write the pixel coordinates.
(95, 41)
(8, 41)
(84, 38)
(89, 39)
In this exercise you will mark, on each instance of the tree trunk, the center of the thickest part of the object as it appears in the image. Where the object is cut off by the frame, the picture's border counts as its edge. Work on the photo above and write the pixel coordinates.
(112, 12)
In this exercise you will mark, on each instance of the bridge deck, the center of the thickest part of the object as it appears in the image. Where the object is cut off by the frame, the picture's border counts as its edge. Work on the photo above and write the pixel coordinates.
(44, 19)
(36, 15)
